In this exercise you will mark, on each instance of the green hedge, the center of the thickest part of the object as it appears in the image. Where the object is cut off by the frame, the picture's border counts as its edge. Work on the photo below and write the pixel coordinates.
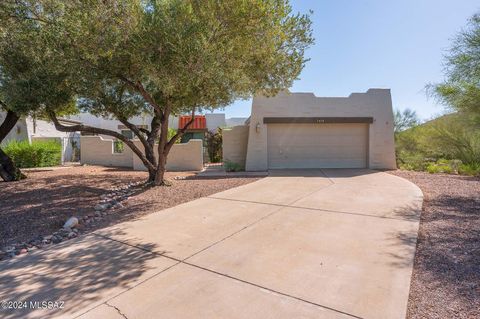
(37, 154)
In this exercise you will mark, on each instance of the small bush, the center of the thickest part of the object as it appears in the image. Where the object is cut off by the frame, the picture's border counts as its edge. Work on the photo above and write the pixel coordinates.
(412, 162)
(232, 167)
(118, 146)
(439, 168)
(469, 169)
(37, 154)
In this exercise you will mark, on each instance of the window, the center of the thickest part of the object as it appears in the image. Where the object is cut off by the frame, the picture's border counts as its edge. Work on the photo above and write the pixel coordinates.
(127, 133)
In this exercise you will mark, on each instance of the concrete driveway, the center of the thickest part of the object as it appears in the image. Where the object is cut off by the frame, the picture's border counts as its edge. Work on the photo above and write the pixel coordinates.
(297, 244)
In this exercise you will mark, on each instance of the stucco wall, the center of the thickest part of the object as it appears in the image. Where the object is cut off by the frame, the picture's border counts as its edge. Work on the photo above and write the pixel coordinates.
(96, 150)
(19, 131)
(234, 145)
(182, 157)
(376, 103)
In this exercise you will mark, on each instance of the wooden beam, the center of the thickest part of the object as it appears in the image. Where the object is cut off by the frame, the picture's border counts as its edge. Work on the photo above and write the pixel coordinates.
(316, 120)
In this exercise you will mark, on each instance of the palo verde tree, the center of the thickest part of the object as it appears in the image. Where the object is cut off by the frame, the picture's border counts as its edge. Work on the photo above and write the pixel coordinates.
(461, 89)
(403, 120)
(170, 57)
(29, 78)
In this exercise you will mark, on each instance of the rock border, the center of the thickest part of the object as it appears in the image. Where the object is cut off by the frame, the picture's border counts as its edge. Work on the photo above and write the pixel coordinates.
(115, 198)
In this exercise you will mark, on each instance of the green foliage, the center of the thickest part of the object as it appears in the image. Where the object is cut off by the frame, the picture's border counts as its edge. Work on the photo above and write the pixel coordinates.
(232, 166)
(118, 146)
(214, 146)
(31, 74)
(449, 144)
(171, 133)
(469, 169)
(37, 154)
(404, 120)
(122, 58)
(439, 167)
(195, 54)
(461, 89)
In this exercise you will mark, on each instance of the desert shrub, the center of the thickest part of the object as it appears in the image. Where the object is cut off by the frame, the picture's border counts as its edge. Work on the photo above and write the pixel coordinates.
(36, 154)
(232, 166)
(470, 169)
(439, 168)
(118, 146)
(449, 144)
(412, 161)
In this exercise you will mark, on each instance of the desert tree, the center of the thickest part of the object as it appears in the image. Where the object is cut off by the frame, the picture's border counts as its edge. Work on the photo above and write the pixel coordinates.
(30, 78)
(461, 88)
(170, 57)
(403, 120)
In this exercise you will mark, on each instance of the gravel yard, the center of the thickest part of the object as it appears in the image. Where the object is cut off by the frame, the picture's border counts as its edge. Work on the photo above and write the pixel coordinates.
(446, 275)
(41, 204)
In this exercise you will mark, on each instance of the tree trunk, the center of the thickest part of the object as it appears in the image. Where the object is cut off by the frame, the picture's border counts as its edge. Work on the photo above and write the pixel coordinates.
(162, 154)
(160, 173)
(8, 171)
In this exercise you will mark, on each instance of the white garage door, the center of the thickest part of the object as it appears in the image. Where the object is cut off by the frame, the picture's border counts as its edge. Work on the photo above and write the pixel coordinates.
(317, 145)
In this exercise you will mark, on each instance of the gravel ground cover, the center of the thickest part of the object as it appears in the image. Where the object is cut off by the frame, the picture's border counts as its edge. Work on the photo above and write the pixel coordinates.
(40, 204)
(446, 274)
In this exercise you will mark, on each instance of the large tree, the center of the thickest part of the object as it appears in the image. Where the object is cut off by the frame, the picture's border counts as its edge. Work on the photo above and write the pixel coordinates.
(461, 89)
(170, 57)
(30, 78)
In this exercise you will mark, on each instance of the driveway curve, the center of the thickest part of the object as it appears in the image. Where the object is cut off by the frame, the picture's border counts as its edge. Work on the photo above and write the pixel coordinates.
(330, 243)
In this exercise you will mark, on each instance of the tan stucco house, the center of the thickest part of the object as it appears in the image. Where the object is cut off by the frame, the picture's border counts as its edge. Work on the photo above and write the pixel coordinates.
(300, 130)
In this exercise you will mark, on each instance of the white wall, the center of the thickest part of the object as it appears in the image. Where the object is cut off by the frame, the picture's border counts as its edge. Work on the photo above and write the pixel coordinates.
(46, 129)
(96, 150)
(18, 133)
(376, 103)
(234, 144)
(107, 123)
(182, 157)
(235, 121)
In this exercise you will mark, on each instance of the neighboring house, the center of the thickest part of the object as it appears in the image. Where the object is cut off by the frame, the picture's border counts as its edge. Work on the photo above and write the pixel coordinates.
(31, 129)
(300, 130)
(210, 122)
(196, 130)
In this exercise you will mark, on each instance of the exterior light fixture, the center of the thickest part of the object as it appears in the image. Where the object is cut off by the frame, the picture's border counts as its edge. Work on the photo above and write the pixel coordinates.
(257, 127)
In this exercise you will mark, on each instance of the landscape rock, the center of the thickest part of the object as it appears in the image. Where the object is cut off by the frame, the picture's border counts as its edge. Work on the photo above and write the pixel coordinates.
(71, 222)
(101, 207)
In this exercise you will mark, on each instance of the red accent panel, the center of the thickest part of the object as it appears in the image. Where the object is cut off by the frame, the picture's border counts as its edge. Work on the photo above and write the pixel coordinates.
(199, 122)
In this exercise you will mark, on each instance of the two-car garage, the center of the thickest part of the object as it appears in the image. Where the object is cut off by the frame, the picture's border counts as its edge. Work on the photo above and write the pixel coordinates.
(301, 130)
(316, 144)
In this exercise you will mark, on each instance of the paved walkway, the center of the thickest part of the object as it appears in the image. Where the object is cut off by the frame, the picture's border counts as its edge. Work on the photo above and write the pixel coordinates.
(297, 244)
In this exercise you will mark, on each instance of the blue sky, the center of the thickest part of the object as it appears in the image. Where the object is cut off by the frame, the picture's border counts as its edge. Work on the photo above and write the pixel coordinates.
(361, 44)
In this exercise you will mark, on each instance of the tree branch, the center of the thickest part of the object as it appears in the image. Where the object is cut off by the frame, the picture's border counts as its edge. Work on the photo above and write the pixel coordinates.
(8, 123)
(181, 131)
(138, 86)
(95, 130)
(132, 127)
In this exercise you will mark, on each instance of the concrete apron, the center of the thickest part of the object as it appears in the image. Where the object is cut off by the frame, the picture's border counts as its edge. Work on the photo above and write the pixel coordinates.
(297, 244)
